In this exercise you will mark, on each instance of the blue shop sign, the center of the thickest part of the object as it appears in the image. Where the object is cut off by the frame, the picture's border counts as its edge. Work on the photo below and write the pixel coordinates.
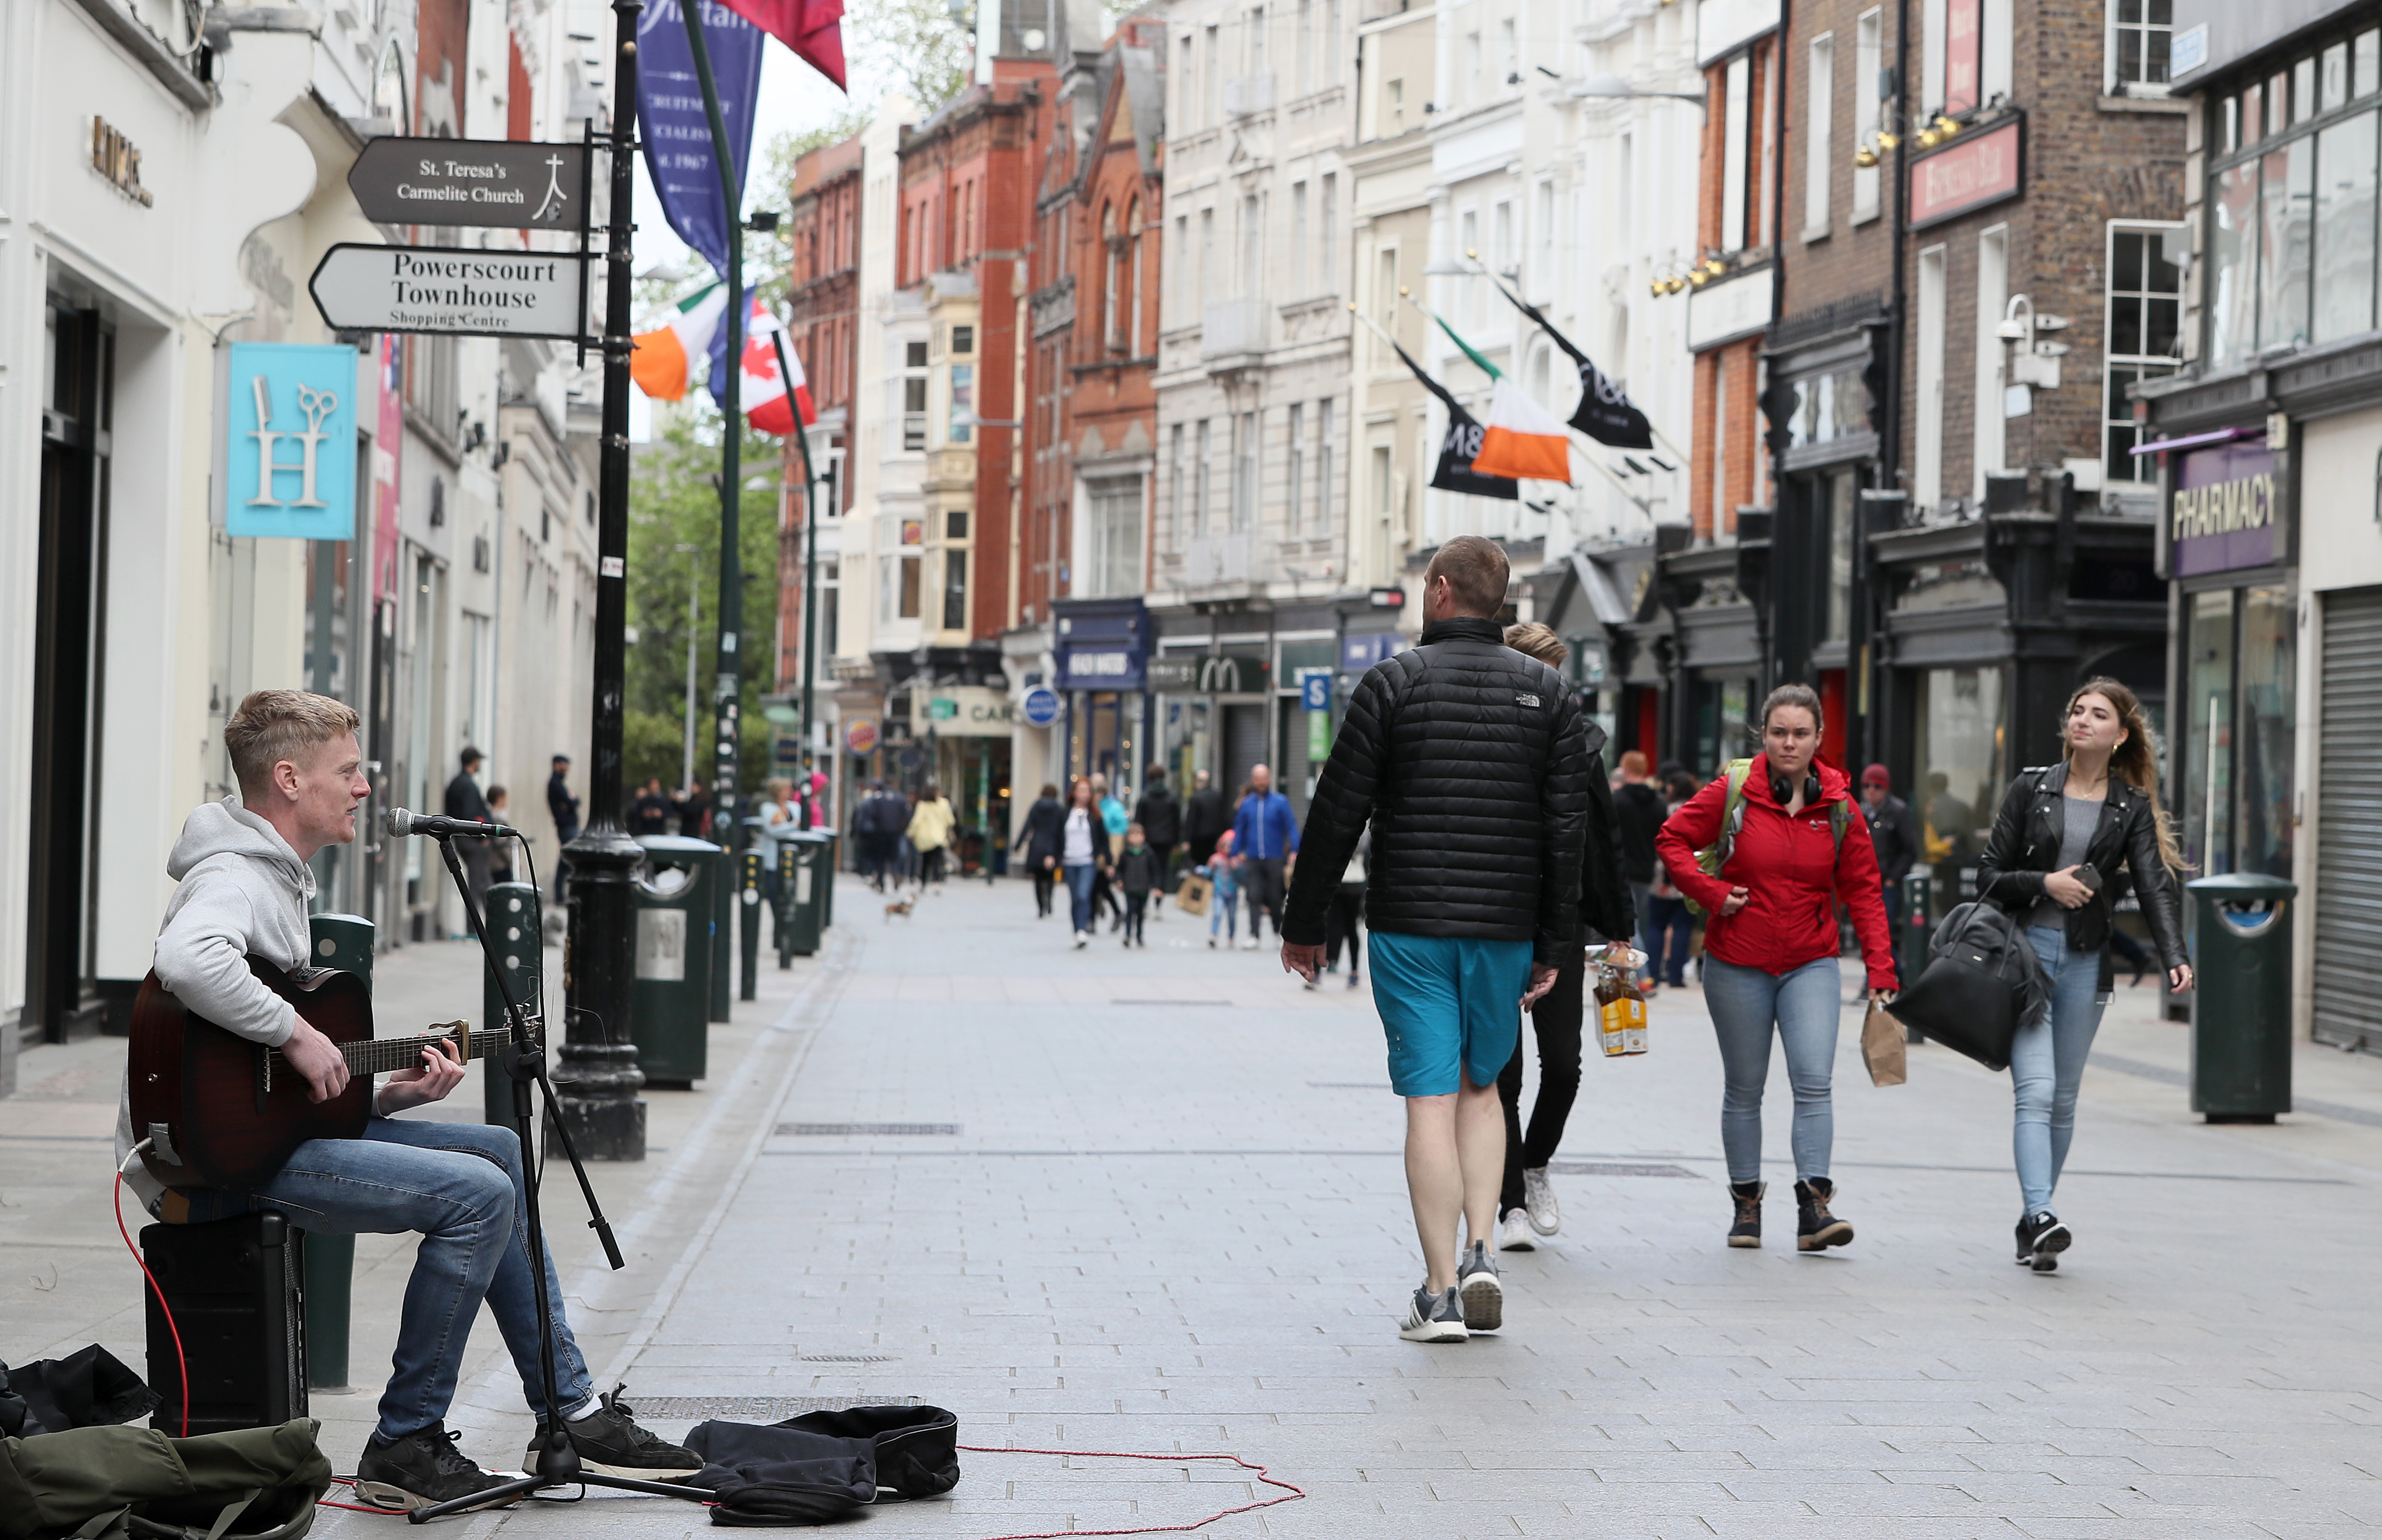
(1358, 654)
(290, 442)
(1315, 688)
(1100, 666)
(1041, 707)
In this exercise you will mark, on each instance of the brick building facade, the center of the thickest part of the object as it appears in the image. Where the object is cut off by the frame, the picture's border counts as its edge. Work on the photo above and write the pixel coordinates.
(822, 328)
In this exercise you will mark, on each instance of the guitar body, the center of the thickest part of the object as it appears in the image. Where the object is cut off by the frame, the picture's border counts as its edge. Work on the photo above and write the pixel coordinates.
(208, 1087)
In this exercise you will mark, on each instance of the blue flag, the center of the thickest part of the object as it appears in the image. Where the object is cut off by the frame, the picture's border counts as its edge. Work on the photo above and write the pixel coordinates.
(677, 132)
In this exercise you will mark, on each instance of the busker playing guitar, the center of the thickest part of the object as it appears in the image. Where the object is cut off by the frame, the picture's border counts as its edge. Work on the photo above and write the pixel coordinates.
(245, 885)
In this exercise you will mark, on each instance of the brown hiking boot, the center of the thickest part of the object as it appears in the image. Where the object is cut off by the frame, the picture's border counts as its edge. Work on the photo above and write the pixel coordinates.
(1747, 1232)
(1815, 1228)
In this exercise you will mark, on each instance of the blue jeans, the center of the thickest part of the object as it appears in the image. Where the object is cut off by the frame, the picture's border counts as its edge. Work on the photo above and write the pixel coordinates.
(1670, 932)
(1642, 907)
(459, 1185)
(1223, 913)
(2047, 1063)
(1805, 1004)
(1079, 893)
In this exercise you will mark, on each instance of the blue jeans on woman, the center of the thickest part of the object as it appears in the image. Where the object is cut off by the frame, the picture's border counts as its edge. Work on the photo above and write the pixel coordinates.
(2047, 1062)
(1079, 893)
(459, 1185)
(1804, 1005)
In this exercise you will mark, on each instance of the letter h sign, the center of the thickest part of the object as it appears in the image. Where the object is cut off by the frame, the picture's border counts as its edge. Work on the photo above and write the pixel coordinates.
(290, 442)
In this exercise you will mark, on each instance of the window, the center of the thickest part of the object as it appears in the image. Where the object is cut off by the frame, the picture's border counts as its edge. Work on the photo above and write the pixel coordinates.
(1384, 503)
(955, 591)
(1509, 52)
(1735, 129)
(1385, 292)
(1112, 555)
(1829, 406)
(1207, 254)
(1393, 105)
(1297, 482)
(1473, 66)
(1111, 266)
(1542, 238)
(1927, 470)
(1134, 301)
(2285, 189)
(1329, 246)
(2145, 307)
(1175, 483)
(1869, 60)
(1468, 227)
(962, 340)
(1257, 36)
(831, 610)
(1501, 224)
(909, 597)
(1306, 45)
(1298, 238)
(963, 420)
(1332, 42)
(1212, 79)
(1819, 146)
(955, 523)
(1181, 267)
(1245, 471)
(2139, 30)
(1199, 504)
(914, 407)
(1253, 284)
(1325, 459)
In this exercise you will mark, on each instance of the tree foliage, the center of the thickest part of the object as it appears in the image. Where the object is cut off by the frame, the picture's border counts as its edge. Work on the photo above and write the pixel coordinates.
(674, 540)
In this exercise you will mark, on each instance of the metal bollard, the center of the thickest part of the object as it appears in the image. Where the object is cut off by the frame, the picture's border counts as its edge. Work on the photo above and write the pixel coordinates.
(514, 915)
(345, 942)
(748, 898)
(781, 923)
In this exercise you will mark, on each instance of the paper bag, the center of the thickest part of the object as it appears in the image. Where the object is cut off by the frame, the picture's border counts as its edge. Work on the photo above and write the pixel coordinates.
(1881, 1048)
(1192, 894)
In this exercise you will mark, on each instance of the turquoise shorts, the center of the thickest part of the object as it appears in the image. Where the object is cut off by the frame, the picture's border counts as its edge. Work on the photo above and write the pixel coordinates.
(1451, 1006)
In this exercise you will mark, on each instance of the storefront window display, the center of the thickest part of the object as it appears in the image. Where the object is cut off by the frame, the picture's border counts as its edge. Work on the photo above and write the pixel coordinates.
(1724, 730)
(2234, 746)
(1960, 752)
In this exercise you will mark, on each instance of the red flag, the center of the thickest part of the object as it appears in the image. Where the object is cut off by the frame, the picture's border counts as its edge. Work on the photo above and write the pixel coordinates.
(811, 28)
(769, 403)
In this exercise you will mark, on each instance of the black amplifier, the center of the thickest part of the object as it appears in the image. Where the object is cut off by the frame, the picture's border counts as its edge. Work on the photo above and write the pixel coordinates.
(237, 1287)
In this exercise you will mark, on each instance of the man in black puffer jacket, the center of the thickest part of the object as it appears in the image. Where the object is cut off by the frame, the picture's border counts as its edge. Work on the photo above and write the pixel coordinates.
(1470, 763)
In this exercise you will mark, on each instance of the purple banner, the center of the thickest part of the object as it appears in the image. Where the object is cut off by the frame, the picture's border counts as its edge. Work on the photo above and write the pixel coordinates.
(677, 130)
(2225, 514)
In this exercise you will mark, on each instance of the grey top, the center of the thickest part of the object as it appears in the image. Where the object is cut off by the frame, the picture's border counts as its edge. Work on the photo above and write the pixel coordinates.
(2084, 817)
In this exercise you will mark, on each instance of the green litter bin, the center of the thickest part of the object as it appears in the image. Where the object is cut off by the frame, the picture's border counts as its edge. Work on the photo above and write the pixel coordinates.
(670, 998)
(805, 894)
(514, 916)
(2242, 1000)
(345, 942)
(827, 876)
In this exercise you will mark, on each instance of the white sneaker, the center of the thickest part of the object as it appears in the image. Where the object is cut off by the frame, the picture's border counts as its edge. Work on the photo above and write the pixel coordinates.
(1080, 939)
(1249, 944)
(1434, 1318)
(1514, 1232)
(1539, 1199)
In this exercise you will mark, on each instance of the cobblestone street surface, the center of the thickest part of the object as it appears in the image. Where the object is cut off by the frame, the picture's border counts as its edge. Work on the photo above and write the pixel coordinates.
(1152, 1201)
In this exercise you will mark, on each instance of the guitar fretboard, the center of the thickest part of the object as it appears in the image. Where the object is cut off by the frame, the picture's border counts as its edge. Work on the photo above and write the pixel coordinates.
(381, 1056)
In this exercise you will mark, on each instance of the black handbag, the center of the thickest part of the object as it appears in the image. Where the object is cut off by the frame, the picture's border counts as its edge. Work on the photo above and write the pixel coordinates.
(1981, 982)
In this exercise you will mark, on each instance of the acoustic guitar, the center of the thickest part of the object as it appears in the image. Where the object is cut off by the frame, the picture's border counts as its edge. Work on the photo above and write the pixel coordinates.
(221, 1110)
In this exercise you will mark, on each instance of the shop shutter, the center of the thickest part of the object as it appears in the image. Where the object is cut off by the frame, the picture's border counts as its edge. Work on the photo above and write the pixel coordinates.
(2347, 908)
(1244, 744)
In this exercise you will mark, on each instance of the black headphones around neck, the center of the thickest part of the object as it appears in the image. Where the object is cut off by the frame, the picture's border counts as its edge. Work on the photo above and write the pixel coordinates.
(1784, 789)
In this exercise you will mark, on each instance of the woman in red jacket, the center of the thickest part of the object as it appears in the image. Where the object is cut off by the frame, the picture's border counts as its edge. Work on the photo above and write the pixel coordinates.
(1770, 948)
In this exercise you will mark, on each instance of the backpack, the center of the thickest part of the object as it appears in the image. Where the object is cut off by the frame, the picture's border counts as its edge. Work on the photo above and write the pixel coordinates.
(137, 1483)
(1714, 856)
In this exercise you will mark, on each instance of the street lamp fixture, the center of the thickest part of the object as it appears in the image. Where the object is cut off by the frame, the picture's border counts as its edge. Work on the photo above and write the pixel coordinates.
(1614, 88)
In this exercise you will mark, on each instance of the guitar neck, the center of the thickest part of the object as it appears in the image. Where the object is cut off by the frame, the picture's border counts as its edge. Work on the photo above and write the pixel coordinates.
(381, 1056)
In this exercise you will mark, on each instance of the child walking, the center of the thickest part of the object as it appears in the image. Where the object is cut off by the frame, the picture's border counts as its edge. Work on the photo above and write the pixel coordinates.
(1223, 913)
(1137, 873)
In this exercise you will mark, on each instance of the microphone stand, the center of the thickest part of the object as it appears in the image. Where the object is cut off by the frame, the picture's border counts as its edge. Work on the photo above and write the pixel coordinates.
(523, 1059)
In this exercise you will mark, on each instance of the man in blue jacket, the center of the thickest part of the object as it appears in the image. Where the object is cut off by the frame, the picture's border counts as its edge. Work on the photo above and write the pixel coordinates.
(1265, 835)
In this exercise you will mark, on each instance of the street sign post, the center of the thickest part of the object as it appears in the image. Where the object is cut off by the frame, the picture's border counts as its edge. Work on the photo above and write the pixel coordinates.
(441, 288)
(507, 184)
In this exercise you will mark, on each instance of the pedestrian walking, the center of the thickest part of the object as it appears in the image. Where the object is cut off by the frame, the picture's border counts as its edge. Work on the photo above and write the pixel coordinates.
(1041, 838)
(930, 832)
(1637, 808)
(1137, 875)
(1160, 817)
(694, 806)
(1785, 844)
(1265, 833)
(1893, 831)
(463, 800)
(1206, 814)
(1113, 816)
(564, 809)
(1469, 761)
(2069, 840)
(877, 827)
(1527, 1207)
(1670, 924)
(1347, 911)
(1223, 869)
(1083, 855)
(651, 813)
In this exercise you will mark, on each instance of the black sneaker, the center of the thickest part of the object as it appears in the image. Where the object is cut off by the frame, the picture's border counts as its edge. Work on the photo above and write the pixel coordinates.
(1815, 1228)
(610, 1442)
(2040, 1239)
(420, 1470)
(1747, 1230)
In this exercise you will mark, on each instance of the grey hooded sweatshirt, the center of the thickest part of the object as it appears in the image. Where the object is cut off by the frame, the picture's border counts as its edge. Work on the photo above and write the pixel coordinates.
(243, 890)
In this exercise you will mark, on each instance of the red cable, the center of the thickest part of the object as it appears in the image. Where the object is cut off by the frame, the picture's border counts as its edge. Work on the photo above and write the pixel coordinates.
(1295, 1493)
(179, 1357)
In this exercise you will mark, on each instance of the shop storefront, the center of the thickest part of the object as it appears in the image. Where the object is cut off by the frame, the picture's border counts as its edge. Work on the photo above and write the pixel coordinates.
(1102, 650)
(963, 731)
(1213, 708)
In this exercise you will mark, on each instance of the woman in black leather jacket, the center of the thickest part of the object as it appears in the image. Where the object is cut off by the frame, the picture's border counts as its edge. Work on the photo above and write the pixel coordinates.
(2054, 859)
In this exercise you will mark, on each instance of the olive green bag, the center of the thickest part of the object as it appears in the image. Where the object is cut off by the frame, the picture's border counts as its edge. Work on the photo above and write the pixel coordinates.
(137, 1483)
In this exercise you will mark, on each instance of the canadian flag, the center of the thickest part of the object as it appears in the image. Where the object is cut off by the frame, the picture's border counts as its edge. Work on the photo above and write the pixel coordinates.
(771, 397)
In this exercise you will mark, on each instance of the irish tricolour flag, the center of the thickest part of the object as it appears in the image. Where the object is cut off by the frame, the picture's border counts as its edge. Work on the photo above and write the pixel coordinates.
(1520, 439)
(662, 364)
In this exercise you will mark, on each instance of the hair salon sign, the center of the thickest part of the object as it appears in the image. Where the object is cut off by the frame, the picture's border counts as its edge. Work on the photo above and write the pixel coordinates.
(290, 442)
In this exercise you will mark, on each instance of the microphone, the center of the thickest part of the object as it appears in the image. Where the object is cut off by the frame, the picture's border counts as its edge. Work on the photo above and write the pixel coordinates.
(400, 823)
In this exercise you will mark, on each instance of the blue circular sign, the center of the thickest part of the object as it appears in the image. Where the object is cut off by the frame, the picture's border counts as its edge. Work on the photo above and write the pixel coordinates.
(1041, 707)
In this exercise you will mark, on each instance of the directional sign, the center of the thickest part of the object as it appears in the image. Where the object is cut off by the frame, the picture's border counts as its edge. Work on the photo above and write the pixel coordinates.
(444, 289)
(508, 183)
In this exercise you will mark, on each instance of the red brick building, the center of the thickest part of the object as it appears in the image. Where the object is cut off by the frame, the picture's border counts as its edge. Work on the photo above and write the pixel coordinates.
(822, 328)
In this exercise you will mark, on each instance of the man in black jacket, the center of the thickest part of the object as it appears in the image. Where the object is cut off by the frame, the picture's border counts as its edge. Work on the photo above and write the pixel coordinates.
(463, 800)
(1892, 830)
(1205, 818)
(1469, 762)
(565, 809)
(1160, 817)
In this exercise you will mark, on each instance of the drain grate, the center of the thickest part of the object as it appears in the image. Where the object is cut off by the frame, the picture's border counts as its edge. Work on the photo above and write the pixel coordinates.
(1616, 1168)
(862, 1131)
(850, 1358)
(761, 1408)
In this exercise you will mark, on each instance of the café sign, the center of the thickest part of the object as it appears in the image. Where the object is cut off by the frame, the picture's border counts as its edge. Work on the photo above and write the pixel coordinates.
(1980, 168)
